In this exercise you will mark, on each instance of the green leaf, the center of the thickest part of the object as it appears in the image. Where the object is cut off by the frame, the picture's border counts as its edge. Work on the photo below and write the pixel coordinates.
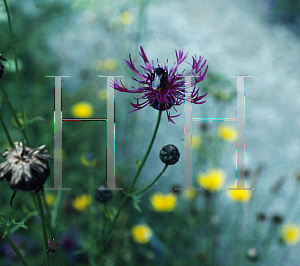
(136, 199)
(3, 217)
(22, 225)
(137, 164)
(5, 223)
(4, 233)
(143, 184)
(12, 215)
(34, 119)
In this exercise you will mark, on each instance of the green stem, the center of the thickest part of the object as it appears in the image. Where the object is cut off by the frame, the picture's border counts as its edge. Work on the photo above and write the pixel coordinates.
(56, 208)
(48, 216)
(152, 183)
(147, 152)
(51, 227)
(92, 221)
(42, 215)
(16, 250)
(127, 195)
(6, 131)
(14, 114)
(15, 58)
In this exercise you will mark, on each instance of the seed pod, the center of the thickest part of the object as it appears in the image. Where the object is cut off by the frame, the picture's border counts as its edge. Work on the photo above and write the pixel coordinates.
(169, 154)
(103, 195)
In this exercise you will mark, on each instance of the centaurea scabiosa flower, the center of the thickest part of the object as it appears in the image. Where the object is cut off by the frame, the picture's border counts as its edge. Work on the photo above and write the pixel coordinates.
(25, 168)
(163, 88)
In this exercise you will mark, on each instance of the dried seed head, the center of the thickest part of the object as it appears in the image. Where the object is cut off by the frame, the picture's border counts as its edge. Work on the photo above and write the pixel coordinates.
(169, 154)
(25, 168)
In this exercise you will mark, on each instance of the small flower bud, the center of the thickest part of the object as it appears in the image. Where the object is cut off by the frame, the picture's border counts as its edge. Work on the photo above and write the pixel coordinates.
(103, 195)
(169, 154)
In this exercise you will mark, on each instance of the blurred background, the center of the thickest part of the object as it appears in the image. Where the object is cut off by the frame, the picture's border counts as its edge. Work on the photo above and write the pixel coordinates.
(84, 39)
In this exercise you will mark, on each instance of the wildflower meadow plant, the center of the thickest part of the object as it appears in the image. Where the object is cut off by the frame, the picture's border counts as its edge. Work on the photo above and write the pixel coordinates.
(144, 224)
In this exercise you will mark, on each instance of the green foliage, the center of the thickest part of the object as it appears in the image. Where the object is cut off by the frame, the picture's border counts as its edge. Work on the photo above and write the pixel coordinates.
(6, 223)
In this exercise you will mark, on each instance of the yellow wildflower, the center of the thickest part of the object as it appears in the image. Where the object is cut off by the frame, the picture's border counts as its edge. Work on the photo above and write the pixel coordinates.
(80, 203)
(126, 18)
(163, 203)
(82, 110)
(212, 181)
(50, 199)
(141, 233)
(290, 234)
(227, 133)
(189, 194)
(110, 64)
(196, 142)
(239, 195)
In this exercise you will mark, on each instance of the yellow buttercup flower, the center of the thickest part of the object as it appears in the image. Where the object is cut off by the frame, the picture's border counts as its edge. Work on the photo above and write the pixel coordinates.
(126, 18)
(141, 233)
(110, 64)
(196, 142)
(212, 181)
(227, 133)
(239, 195)
(290, 234)
(82, 110)
(80, 203)
(50, 199)
(163, 203)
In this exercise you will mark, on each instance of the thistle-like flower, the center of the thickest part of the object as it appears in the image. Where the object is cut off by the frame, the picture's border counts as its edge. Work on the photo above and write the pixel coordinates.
(25, 168)
(164, 88)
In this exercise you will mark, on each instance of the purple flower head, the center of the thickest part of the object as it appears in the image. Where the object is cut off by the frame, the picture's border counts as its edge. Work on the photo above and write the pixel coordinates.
(163, 88)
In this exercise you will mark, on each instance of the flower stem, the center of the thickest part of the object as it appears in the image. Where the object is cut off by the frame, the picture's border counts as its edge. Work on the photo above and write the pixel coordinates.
(14, 114)
(127, 195)
(16, 250)
(52, 226)
(6, 131)
(42, 215)
(147, 153)
(152, 183)
(92, 220)
(15, 58)
(56, 208)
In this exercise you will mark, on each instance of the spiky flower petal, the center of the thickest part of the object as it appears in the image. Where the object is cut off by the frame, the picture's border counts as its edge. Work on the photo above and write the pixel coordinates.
(164, 88)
